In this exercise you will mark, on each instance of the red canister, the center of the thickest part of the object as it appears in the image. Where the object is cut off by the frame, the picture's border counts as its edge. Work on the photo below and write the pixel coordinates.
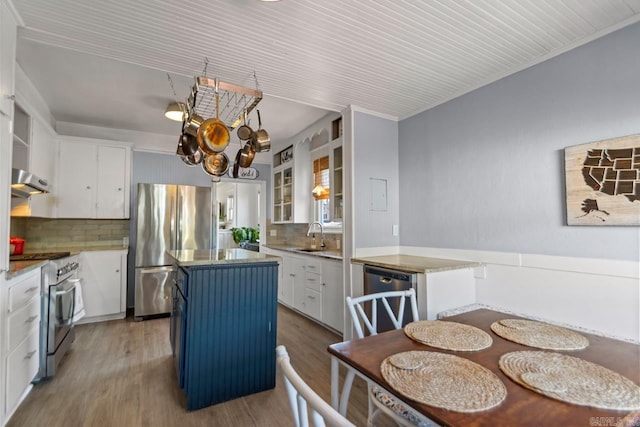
(17, 245)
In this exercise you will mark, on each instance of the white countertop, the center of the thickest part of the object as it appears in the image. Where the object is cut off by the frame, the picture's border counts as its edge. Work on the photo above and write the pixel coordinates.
(415, 264)
(203, 257)
(331, 254)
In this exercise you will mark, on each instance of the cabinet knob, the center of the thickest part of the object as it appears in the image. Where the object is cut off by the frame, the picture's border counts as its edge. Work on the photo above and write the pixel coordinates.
(292, 275)
(117, 271)
(30, 354)
(324, 284)
(119, 188)
(88, 187)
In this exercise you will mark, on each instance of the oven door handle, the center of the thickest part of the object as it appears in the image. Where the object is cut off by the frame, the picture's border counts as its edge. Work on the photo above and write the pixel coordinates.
(66, 291)
(65, 318)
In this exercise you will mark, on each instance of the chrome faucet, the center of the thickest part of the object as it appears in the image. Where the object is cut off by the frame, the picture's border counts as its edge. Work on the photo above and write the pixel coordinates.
(322, 245)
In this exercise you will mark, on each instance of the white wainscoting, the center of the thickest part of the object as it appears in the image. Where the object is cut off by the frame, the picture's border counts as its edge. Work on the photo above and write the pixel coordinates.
(596, 294)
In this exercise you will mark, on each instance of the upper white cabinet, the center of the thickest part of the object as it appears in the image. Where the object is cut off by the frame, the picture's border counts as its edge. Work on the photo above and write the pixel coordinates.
(34, 150)
(8, 28)
(93, 180)
(292, 184)
(42, 163)
(8, 31)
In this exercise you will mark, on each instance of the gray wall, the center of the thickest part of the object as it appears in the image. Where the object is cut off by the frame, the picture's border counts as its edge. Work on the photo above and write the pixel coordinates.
(375, 148)
(486, 170)
(158, 168)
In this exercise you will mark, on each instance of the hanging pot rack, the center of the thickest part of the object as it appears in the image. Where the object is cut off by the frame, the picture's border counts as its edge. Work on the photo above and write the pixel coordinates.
(234, 101)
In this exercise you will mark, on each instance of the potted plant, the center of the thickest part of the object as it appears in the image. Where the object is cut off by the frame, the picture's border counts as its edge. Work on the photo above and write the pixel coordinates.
(245, 234)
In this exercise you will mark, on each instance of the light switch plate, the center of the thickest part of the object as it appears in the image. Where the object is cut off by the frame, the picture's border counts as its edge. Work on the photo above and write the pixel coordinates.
(395, 230)
(273, 232)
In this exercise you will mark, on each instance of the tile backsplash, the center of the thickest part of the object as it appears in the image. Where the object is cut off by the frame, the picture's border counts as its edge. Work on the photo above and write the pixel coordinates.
(49, 233)
(295, 235)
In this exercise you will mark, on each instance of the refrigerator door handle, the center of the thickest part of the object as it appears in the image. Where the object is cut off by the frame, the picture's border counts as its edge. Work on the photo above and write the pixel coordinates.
(157, 269)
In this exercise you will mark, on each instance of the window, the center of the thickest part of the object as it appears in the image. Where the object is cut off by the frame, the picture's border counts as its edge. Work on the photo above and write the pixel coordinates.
(322, 193)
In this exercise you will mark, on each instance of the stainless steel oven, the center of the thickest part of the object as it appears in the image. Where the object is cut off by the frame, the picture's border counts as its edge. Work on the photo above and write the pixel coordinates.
(58, 306)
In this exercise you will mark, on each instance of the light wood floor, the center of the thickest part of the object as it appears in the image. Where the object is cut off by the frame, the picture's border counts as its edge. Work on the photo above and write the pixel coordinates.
(121, 373)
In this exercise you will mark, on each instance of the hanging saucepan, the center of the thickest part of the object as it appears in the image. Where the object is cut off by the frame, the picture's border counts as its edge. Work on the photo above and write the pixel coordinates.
(260, 138)
(244, 132)
(236, 164)
(193, 159)
(216, 164)
(247, 154)
(187, 144)
(213, 135)
(192, 124)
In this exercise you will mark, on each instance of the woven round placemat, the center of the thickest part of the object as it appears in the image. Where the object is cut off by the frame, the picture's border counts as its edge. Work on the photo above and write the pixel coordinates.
(539, 334)
(443, 380)
(448, 335)
(571, 379)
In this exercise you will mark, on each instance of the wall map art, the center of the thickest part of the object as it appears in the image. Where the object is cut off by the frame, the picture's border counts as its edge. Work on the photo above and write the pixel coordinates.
(603, 182)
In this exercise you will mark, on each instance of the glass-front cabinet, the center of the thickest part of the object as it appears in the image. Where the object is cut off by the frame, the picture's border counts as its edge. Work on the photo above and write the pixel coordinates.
(283, 195)
(337, 184)
(290, 184)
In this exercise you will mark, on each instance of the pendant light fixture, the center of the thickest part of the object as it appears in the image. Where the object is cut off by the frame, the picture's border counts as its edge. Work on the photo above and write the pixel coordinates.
(176, 111)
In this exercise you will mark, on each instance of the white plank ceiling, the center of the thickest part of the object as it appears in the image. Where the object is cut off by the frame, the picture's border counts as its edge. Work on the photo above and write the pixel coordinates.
(392, 57)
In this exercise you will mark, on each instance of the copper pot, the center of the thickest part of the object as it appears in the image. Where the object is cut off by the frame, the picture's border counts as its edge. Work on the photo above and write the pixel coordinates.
(193, 159)
(213, 135)
(246, 155)
(187, 145)
(192, 124)
(260, 138)
(244, 132)
(215, 164)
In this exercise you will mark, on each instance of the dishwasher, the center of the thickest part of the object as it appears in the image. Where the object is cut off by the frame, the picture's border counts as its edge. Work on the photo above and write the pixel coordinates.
(377, 280)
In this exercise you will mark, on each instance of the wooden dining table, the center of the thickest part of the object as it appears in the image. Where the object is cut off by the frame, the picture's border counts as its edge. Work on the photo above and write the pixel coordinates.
(521, 407)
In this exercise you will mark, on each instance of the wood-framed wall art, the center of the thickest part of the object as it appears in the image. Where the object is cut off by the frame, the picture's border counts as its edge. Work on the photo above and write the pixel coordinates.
(603, 182)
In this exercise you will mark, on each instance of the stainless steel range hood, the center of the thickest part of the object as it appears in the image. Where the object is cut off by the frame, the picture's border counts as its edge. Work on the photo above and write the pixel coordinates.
(25, 184)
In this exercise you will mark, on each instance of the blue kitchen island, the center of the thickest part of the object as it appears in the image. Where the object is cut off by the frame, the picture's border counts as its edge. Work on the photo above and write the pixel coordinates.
(223, 323)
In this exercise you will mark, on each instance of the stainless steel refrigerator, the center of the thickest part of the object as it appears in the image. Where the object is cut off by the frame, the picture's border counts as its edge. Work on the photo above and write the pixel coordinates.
(170, 217)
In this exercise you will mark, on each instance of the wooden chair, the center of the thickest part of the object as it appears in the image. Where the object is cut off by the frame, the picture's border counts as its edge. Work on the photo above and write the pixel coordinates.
(305, 403)
(380, 400)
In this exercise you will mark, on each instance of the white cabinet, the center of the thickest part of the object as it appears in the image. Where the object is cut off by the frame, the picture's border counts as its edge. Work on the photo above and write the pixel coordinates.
(103, 277)
(42, 163)
(333, 299)
(38, 142)
(93, 180)
(8, 32)
(225, 240)
(292, 270)
(21, 342)
(292, 184)
(307, 290)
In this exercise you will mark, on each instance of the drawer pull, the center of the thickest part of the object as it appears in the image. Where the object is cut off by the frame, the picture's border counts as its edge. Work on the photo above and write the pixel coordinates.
(30, 354)
(31, 289)
(313, 267)
(292, 275)
(311, 297)
(31, 319)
